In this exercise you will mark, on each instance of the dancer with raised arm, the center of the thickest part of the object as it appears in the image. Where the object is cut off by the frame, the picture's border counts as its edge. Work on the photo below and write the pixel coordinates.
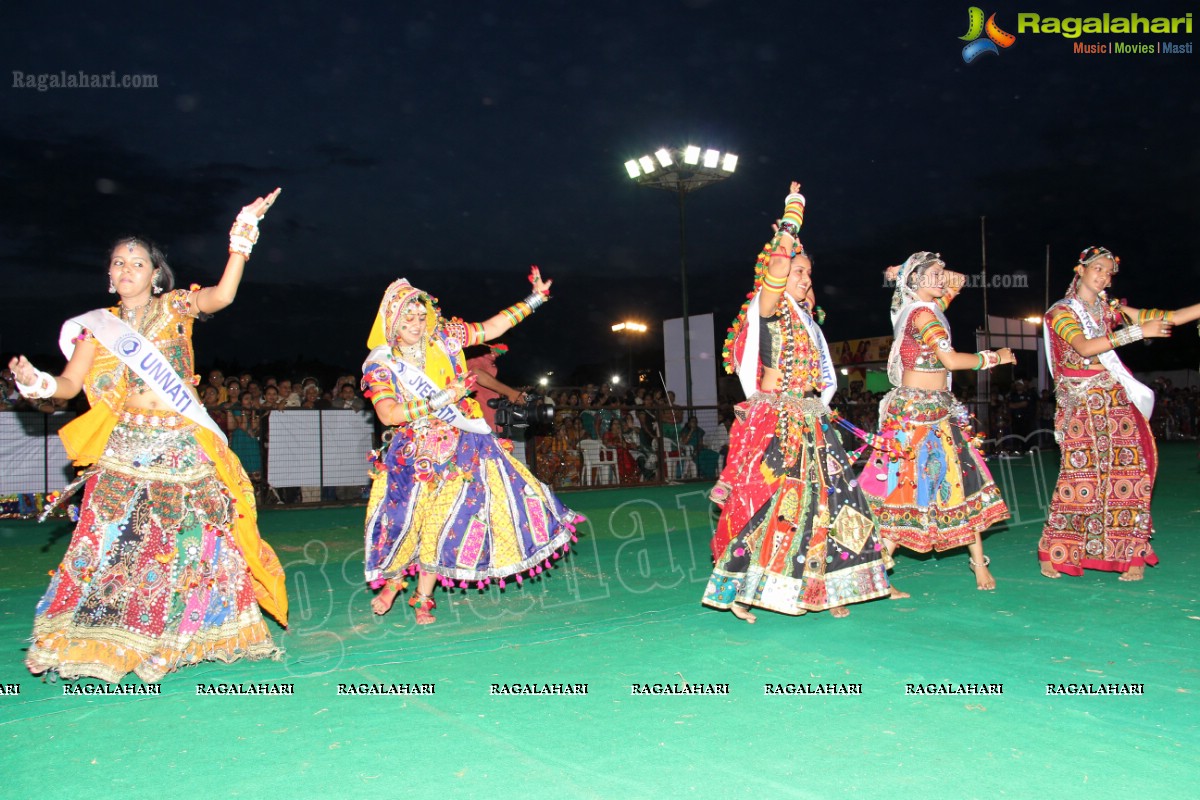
(795, 533)
(165, 567)
(448, 501)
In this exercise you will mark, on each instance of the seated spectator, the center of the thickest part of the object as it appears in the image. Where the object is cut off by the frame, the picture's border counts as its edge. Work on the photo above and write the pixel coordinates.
(271, 400)
(216, 379)
(348, 398)
(288, 397)
(312, 397)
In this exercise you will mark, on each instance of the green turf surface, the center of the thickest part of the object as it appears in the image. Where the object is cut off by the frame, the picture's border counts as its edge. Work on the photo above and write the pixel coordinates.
(624, 609)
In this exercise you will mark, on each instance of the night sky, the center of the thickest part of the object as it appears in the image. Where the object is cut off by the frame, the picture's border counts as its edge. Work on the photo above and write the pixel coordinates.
(458, 143)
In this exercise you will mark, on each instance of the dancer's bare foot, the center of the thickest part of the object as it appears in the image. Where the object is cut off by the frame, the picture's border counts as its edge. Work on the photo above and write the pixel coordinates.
(743, 613)
(423, 605)
(1135, 573)
(382, 602)
(983, 577)
(840, 612)
(894, 593)
(1049, 571)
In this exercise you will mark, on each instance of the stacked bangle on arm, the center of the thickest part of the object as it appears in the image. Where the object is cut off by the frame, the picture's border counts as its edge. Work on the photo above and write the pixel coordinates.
(773, 285)
(988, 359)
(244, 234)
(442, 399)
(519, 311)
(44, 385)
(1128, 334)
(793, 215)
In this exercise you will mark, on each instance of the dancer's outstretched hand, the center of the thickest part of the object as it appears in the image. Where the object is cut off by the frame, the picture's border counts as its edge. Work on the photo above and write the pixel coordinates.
(540, 286)
(23, 371)
(262, 205)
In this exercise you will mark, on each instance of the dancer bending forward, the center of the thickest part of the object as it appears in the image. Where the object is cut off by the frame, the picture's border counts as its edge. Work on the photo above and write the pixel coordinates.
(448, 500)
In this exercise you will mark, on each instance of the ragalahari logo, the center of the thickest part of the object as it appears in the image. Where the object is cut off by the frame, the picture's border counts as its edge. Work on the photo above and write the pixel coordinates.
(976, 28)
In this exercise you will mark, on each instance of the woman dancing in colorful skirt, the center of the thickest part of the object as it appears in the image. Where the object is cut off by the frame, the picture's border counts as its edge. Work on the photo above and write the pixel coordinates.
(795, 533)
(166, 567)
(448, 500)
(1100, 512)
(927, 481)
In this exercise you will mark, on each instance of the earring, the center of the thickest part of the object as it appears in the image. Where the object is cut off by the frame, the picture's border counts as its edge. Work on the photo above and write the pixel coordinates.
(154, 287)
(111, 289)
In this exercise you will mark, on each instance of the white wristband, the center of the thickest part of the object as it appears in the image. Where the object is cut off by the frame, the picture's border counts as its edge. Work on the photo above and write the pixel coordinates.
(43, 386)
(244, 233)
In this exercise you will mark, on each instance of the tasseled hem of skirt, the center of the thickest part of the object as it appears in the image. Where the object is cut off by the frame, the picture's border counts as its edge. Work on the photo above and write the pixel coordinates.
(450, 577)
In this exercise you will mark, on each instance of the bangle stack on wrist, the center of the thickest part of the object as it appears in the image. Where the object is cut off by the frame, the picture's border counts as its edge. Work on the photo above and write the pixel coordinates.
(793, 215)
(988, 359)
(244, 234)
(442, 399)
(1127, 335)
(519, 311)
(44, 385)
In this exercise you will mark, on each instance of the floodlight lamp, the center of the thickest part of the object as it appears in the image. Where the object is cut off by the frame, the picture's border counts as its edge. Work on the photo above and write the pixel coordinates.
(729, 164)
(664, 157)
(647, 164)
(711, 157)
(631, 167)
(691, 154)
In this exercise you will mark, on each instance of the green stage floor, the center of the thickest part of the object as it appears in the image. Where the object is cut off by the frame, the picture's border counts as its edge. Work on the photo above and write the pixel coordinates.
(624, 609)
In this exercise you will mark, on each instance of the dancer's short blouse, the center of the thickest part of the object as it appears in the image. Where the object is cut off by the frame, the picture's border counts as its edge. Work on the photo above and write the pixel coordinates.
(784, 344)
(168, 325)
(922, 338)
(1064, 325)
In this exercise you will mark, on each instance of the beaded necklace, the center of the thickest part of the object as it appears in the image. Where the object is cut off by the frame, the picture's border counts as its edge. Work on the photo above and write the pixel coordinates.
(137, 317)
(413, 353)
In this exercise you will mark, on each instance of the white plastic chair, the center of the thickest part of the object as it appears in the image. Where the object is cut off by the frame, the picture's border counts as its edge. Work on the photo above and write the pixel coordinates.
(597, 457)
(683, 463)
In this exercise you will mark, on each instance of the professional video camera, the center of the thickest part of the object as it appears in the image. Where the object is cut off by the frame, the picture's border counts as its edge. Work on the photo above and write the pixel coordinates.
(533, 413)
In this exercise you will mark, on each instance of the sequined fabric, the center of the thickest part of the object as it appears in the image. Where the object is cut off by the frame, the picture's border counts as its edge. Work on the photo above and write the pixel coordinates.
(152, 580)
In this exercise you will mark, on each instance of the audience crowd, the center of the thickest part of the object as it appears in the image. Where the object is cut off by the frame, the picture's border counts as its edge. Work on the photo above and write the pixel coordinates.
(640, 434)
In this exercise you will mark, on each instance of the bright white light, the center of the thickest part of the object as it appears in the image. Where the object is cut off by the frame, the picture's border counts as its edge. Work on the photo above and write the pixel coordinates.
(730, 162)
(631, 167)
(664, 157)
(691, 154)
(647, 164)
(620, 326)
(1034, 320)
(711, 157)
(636, 326)
(616, 379)
(845, 371)
(543, 381)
